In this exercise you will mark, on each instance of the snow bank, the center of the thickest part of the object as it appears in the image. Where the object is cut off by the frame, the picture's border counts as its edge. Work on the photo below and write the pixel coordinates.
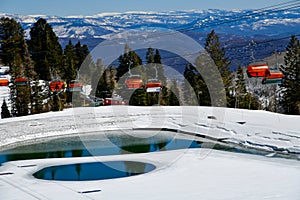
(188, 173)
(255, 129)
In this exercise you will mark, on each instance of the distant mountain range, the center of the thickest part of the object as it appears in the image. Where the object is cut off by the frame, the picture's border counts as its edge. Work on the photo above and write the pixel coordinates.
(270, 29)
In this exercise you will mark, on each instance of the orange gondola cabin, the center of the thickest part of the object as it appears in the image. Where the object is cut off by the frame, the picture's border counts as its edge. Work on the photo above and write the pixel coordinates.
(4, 82)
(134, 82)
(57, 85)
(258, 70)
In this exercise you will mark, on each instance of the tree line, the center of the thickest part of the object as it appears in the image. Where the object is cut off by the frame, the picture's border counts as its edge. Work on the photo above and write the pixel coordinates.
(42, 58)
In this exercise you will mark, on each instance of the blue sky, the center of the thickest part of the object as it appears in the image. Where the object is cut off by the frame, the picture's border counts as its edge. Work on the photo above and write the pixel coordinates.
(90, 7)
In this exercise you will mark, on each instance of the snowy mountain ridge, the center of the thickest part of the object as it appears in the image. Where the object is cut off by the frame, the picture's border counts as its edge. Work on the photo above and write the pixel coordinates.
(239, 22)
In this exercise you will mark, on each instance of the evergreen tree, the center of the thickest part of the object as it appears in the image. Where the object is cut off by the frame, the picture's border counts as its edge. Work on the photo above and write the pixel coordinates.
(149, 69)
(37, 97)
(112, 77)
(187, 85)
(240, 89)
(70, 63)
(33, 81)
(11, 41)
(162, 78)
(23, 100)
(56, 103)
(138, 98)
(217, 53)
(96, 76)
(12, 47)
(84, 63)
(106, 83)
(4, 110)
(46, 50)
(291, 82)
(81, 52)
(174, 94)
(129, 59)
(154, 70)
(160, 69)
(194, 87)
(150, 55)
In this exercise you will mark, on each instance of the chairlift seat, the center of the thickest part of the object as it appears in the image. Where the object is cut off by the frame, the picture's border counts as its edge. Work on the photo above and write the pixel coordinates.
(258, 70)
(57, 85)
(153, 83)
(4, 82)
(134, 82)
(21, 81)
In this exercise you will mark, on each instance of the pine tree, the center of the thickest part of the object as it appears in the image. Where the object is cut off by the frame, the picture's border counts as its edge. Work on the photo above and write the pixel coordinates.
(174, 94)
(105, 85)
(84, 63)
(96, 77)
(4, 110)
(81, 52)
(46, 50)
(159, 66)
(56, 104)
(12, 45)
(33, 81)
(37, 97)
(149, 68)
(70, 63)
(291, 82)
(154, 70)
(11, 41)
(138, 98)
(195, 90)
(23, 100)
(130, 59)
(240, 89)
(187, 85)
(217, 53)
(150, 55)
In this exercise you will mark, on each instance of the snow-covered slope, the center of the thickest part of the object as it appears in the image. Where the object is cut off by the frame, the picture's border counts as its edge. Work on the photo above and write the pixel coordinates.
(271, 132)
(187, 173)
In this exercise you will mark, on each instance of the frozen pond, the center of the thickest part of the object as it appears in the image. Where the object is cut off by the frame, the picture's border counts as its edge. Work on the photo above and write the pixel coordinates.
(94, 171)
(98, 144)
